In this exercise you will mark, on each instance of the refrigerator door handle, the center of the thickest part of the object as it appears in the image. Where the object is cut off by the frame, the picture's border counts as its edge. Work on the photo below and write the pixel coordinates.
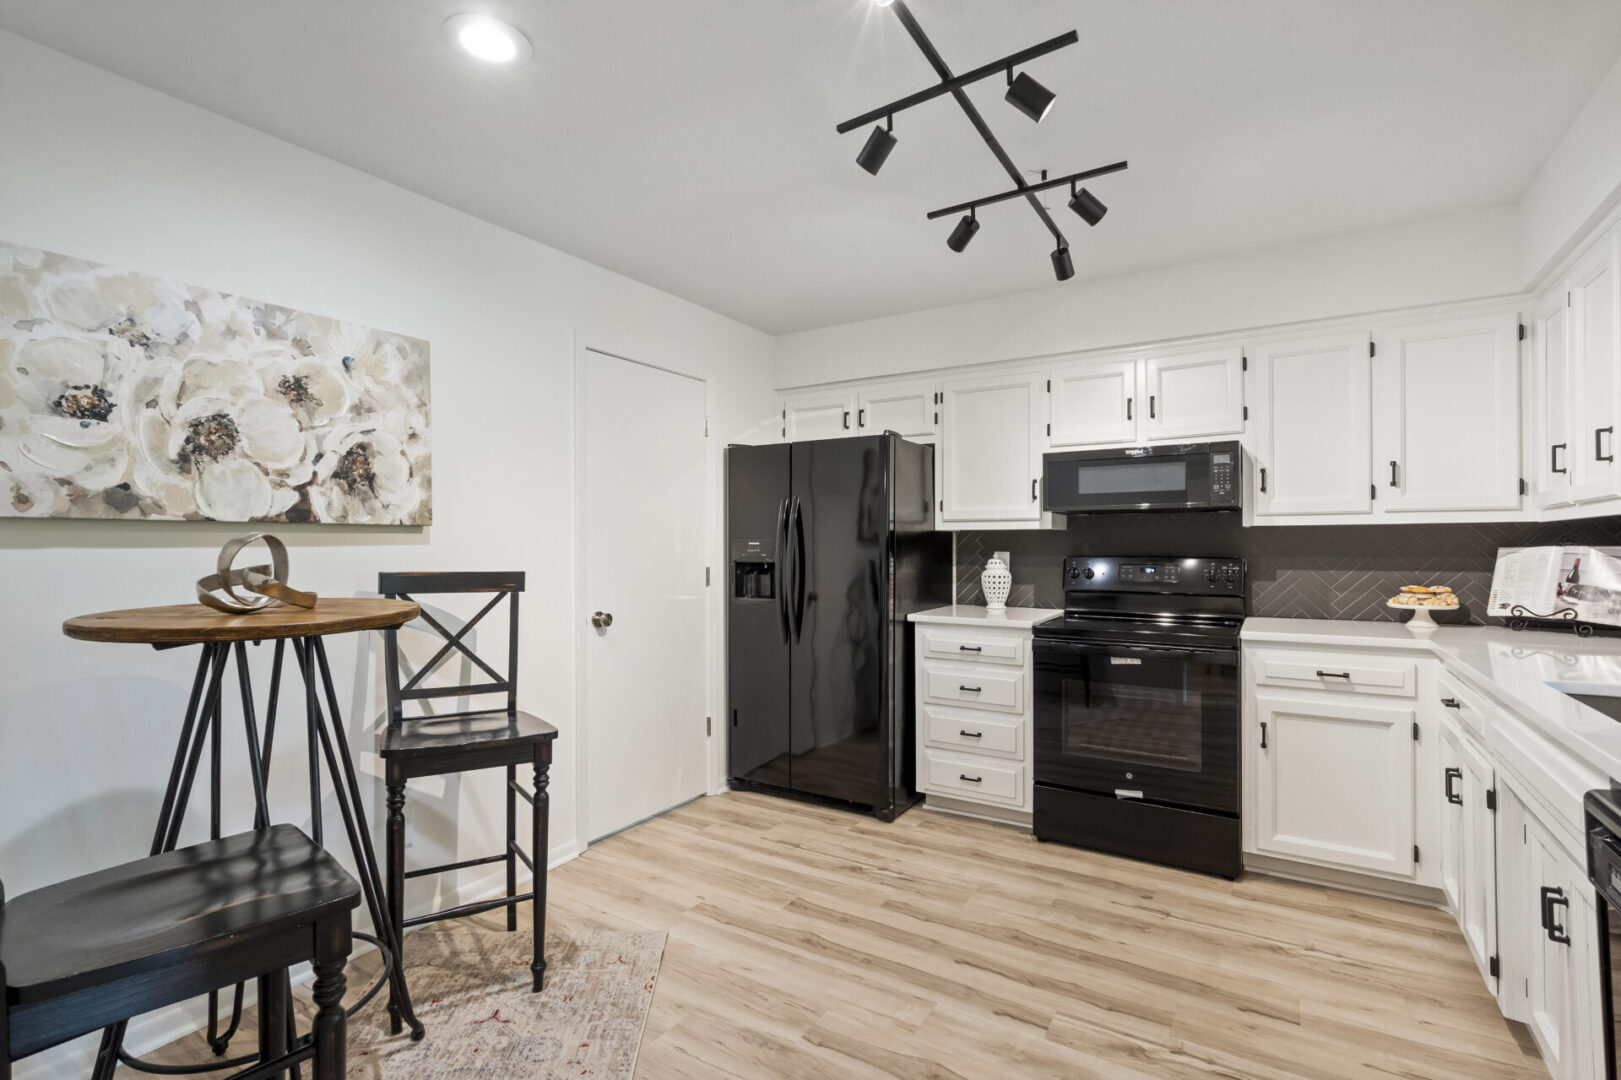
(783, 565)
(799, 570)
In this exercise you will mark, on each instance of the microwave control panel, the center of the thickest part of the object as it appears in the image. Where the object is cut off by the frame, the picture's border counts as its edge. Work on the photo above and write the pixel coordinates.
(1223, 477)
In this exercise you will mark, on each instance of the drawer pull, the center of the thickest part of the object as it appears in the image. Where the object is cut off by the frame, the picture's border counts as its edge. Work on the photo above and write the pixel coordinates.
(1452, 794)
(970, 689)
(971, 779)
(972, 734)
(970, 648)
(1451, 703)
(1333, 674)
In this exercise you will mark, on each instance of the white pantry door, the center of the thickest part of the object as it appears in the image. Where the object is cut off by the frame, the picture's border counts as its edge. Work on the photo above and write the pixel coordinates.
(644, 528)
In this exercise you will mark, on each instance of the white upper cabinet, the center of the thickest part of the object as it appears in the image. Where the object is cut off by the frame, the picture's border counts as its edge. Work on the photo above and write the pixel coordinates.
(1553, 397)
(1593, 301)
(1093, 403)
(1310, 406)
(989, 459)
(910, 409)
(1447, 415)
(825, 415)
(1192, 394)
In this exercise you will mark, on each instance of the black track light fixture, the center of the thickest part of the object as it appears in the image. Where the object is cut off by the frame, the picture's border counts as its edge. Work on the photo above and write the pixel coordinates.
(1063, 268)
(879, 144)
(964, 232)
(1028, 96)
(1087, 205)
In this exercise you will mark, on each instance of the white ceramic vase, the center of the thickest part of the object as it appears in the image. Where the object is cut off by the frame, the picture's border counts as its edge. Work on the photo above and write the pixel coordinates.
(996, 580)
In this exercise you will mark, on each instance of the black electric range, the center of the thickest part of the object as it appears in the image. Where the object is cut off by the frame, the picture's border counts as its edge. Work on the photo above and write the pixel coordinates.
(1137, 711)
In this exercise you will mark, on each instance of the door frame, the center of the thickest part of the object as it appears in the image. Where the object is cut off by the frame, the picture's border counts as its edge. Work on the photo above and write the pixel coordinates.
(713, 625)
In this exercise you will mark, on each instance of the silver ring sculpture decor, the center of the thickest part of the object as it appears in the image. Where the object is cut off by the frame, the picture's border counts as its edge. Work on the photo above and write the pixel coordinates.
(266, 585)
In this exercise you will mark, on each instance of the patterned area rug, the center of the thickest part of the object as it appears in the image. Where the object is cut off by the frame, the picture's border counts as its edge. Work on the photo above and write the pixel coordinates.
(471, 989)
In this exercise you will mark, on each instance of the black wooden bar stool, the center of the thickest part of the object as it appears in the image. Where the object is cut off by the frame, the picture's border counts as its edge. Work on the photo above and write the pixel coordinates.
(95, 950)
(435, 744)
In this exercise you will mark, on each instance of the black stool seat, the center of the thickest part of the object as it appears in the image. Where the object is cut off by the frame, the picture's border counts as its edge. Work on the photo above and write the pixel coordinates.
(493, 731)
(147, 914)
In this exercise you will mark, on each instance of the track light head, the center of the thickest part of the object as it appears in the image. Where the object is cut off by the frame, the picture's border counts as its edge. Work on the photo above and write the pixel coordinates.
(1029, 96)
(876, 151)
(1063, 268)
(964, 232)
(1088, 206)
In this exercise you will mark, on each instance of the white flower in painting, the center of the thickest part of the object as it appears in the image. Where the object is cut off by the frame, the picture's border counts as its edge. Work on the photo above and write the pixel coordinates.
(315, 388)
(66, 425)
(364, 476)
(144, 311)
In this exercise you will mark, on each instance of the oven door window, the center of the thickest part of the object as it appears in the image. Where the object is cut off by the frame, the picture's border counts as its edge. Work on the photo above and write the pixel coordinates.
(1162, 722)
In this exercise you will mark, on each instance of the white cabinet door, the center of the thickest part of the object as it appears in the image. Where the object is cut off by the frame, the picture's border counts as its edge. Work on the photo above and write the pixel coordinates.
(1334, 782)
(1593, 300)
(1093, 403)
(1193, 394)
(1477, 900)
(1452, 838)
(819, 416)
(990, 456)
(910, 409)
(1448, 414)
(1310, 406)
(1554, 391)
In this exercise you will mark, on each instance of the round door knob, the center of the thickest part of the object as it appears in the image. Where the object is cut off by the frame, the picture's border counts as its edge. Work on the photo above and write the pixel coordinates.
(602, 620)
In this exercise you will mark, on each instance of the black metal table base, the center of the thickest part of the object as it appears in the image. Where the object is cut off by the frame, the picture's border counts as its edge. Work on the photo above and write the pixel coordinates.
(202, 728)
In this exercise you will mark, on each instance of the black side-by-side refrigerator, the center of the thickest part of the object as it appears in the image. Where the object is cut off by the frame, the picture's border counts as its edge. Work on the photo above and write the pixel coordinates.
(831, 545)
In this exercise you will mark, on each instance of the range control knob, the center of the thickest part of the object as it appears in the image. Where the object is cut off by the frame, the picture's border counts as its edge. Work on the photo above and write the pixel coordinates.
(1074, 571)
(1089, 573)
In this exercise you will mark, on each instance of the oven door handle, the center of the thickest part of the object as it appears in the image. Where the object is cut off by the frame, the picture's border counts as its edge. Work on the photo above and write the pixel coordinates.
(1055, 651)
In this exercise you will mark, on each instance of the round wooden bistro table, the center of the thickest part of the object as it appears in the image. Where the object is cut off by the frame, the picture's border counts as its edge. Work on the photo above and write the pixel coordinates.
(221, 635)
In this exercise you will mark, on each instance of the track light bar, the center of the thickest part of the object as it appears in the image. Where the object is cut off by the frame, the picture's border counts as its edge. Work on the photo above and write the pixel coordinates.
(968, 78)
(1024, 190)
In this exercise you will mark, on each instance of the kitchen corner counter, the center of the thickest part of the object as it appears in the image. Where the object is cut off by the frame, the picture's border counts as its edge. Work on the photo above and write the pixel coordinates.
(1531, 672)
(1022, 618)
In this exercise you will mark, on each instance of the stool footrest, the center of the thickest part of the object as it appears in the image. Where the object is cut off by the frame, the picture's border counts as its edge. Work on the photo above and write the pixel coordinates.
(465, 910)
(447, 867)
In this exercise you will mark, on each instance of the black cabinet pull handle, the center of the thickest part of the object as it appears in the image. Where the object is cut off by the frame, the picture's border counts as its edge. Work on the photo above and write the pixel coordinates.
(1452, 795)
(1333, 674)
(1263, 734)
(1263, 477)
(1128, 407)
(972, 734)
(1551, 895)
(1033, 484)
(971, 648)
(971, 779)
(1598, 444)
(1553, 457)
(846, 419)
(1393, 475)
(1151, 406)
(861, 418)
(969, 689)
(1451, 703)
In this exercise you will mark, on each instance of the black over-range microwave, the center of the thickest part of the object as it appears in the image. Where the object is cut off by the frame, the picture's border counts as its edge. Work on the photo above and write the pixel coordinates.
(1186, 476)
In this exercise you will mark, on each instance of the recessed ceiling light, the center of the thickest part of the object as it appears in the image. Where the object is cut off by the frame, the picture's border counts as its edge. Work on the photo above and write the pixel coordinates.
(883, 3)
(488, 39)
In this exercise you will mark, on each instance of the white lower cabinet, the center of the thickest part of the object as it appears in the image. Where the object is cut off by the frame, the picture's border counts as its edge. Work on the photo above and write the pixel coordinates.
(1551, 953)
(973, 685)
(1469, 845)
(1318, 758)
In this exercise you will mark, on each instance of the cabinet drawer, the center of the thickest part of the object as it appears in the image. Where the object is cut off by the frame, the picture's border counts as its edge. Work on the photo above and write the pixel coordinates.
(1345, 674)
(977, 733)
(986, 781)
(971, 644)
(980, 687)
(1463, 705)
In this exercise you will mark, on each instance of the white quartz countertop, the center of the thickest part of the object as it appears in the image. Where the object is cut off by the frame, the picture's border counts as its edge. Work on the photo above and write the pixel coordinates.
(975, 615)
(1531, 672)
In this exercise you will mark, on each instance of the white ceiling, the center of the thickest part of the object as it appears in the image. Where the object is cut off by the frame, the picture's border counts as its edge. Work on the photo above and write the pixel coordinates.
(690, 143)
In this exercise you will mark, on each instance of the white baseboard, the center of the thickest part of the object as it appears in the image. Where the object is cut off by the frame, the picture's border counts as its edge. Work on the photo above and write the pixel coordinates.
(152, 1030)
(1348, 880)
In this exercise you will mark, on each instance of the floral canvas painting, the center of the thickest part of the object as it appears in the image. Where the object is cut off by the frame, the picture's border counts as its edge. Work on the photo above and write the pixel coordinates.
(124, 395)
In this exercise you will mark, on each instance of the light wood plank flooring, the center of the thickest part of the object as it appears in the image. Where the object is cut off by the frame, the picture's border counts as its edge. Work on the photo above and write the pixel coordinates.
(811, 944)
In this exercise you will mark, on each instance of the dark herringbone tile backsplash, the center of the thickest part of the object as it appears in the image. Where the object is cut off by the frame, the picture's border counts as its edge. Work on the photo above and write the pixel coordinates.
(1295, 571)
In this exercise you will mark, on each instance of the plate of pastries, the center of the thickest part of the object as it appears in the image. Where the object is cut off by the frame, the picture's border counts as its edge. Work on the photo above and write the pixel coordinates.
(1434, 596)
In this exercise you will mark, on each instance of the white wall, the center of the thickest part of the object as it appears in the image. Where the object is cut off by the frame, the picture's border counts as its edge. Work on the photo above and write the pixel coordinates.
(101, 168)
(1578, 183)
(1462, 256)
